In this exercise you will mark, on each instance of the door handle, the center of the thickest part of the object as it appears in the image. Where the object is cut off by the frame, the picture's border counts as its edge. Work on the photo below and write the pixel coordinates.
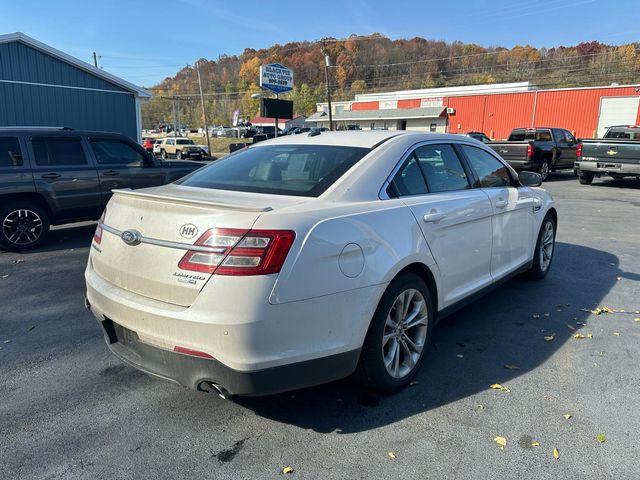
(434, 216)
(110, 173)
(51, 175)
(501, 203)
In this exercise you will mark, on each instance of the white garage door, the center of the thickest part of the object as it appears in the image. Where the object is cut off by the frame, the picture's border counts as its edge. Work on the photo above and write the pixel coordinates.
(617, 111)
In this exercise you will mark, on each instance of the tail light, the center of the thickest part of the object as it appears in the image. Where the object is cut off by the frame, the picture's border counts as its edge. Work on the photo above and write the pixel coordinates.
(530, 150)
(97, 236)
(579, 150)
(230, 251)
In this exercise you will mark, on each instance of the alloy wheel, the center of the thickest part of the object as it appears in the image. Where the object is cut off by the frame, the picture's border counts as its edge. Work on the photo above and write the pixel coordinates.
(22, 227)
(544, 170)
(404, 334)
(546, 246)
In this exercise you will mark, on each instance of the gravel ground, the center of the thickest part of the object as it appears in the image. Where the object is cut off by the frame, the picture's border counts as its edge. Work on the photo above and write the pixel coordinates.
(69, 409)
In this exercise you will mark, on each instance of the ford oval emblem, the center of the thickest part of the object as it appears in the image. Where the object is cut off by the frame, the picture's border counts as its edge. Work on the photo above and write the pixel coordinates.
(131, 237)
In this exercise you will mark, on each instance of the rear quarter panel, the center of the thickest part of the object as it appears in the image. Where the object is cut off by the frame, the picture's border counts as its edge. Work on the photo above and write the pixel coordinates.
(347, 249)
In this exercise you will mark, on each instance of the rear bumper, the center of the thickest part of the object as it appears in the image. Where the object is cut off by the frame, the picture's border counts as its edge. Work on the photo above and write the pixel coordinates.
(191, 371)
(608, 167)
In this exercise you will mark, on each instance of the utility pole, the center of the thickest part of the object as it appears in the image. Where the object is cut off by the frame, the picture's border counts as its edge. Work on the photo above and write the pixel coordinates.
(327, 64)
(204, 112)
(95, 60)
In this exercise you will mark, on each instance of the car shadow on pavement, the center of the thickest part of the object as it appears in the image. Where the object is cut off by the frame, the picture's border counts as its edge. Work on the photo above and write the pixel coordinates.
(618, 183)
(469, 349)
(67, 237)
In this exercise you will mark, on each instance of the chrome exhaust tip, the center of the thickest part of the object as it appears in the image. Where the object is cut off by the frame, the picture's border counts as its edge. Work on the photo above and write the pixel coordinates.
(214, 388)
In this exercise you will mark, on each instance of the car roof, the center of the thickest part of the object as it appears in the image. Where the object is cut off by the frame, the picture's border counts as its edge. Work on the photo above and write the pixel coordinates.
(56, 131)
(353, 138)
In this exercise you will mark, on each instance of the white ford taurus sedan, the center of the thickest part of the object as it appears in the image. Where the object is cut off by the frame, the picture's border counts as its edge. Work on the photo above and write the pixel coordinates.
(311, 257)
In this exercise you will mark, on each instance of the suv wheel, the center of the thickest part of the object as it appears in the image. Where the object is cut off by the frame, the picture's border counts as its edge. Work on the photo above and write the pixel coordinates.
(23, 225)
(163, 154)
(585, 178)
(179, 154)
(398, 336)
(544, 170)
(545, 246)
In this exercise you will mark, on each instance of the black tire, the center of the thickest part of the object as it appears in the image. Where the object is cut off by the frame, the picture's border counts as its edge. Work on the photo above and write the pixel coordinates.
(33, 225)
(163, 154)
(585, 178)
(371, 370)
(544, 170)
(539, 268)
(179, 154)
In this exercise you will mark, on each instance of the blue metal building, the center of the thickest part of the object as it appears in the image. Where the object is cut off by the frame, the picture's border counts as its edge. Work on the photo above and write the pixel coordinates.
(42, 86)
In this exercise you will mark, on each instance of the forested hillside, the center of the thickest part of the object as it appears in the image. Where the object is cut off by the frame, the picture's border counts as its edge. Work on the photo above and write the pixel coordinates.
(376, 63)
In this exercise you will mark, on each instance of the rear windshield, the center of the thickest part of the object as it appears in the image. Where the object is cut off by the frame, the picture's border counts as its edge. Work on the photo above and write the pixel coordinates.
(302, 170)
(624, 133)
(537, 135)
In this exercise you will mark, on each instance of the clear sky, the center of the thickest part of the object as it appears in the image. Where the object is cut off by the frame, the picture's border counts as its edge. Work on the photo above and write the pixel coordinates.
(143, 42)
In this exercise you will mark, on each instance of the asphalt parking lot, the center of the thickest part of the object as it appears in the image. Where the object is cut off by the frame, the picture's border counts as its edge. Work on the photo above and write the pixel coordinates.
(69, 409)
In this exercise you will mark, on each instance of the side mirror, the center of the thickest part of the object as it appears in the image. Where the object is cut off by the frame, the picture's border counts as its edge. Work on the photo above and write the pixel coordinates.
(530, 179)
(148, 160)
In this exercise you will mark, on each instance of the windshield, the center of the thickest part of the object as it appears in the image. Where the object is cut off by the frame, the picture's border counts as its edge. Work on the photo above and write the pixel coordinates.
(629, 133)
(184, 142)
(302, 170)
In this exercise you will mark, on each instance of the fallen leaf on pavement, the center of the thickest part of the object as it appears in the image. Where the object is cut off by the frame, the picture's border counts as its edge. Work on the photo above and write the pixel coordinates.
(589, 335)
(636, 319)
(31, 328)
(414, 383)
(392, 455)
(5, 276)
(535, 315)
(618, 278)
(582, 324)
(556, 453)
(570, 327)
(567, 416)
(7, 341)
(501, 441)
(579, 335)
(547, 314)
(502, 388)
(617, 334)
(287, 470)
(508, 366)
(535, 444)
(601, 438)
(550, 338)
(481, 407)
(459, 355)
(18, 260)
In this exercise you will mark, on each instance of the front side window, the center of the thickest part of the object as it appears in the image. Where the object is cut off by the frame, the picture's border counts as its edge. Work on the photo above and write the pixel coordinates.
(115, 152)
(442, 168)
(302, 170)
(58, 151)
(490, 171)
(10, 153)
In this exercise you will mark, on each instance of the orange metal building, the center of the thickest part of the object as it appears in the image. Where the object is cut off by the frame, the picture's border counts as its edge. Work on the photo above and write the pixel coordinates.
(578, 110)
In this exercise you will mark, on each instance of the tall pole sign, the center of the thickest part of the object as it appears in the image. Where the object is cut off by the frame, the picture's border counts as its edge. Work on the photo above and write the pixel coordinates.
(278, 79)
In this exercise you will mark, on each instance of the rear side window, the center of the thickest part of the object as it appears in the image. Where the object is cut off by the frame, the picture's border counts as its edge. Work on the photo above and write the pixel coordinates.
(58, 151)
(115, 152)
(302, 170)
(184, 142)
(516, 136)
(10, 153)
(543, 136)
(441, 168)
(410, 180)
(490, 171)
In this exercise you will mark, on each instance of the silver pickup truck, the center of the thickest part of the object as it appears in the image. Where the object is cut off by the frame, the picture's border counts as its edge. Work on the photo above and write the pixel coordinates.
(617, 154)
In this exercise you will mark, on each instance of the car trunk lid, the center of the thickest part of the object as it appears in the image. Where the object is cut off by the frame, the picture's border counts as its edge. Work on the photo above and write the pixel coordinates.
(169, 220)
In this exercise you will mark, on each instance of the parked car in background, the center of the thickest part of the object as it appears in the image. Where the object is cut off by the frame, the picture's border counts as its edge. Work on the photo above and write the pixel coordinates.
(156, 146)
(55, 176)
(617, 154)
(147, 144)
(304, 259)
(542, 150)
(479, 136)
(180, 147)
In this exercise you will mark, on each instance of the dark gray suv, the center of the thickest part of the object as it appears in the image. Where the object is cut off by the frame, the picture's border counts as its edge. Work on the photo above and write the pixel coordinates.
(51, 176)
